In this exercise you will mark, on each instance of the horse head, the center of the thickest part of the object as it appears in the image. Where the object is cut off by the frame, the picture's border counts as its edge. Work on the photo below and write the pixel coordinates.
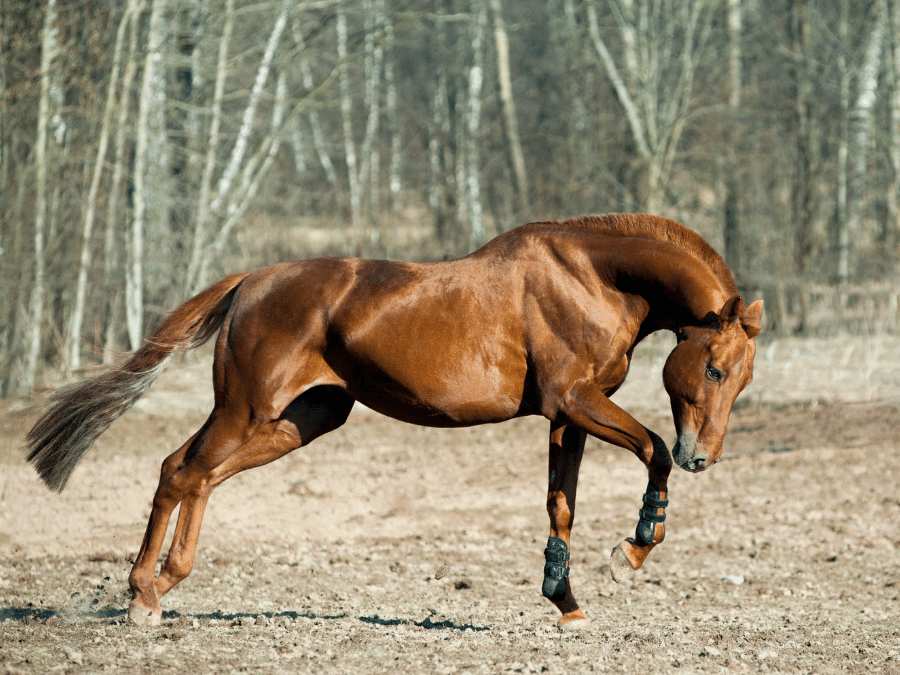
(704, 374)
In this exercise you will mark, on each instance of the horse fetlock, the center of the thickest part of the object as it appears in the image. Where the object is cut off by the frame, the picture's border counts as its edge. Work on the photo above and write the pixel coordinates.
(556, 569)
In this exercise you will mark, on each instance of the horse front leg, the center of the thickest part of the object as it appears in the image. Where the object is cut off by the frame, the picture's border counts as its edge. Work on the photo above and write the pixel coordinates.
(592, 411)
(630, 553)
(566, 450)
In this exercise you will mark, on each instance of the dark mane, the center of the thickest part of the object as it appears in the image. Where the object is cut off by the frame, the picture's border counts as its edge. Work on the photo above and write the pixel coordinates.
(661, 229)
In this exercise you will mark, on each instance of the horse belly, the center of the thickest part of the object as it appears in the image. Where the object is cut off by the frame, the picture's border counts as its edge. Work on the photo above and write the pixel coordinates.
(432, 391)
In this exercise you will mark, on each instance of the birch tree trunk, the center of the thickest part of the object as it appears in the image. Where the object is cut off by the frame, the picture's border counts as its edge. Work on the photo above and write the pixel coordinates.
(192, 283)
(224, 203)
(49, 51)
(240, 145)
(805, 170)
(347, 125)
(390, 81)
(892, 224)
(315, 125)
(476, 79)
(732, 225)
(112, 244)
(859, 129)
(368, 171)
(254, 173)
(441, 169)
(511, 125)
(149, 110)
(663, 45)
(842, 237)
(74, 338)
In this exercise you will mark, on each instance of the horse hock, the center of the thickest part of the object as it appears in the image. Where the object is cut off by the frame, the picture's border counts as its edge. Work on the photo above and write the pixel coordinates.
(630, 554)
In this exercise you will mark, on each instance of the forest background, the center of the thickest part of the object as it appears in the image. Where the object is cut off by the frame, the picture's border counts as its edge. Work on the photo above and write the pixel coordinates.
(148, 147)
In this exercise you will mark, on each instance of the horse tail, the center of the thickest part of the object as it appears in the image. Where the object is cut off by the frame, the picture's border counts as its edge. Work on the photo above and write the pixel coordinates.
(80, 412)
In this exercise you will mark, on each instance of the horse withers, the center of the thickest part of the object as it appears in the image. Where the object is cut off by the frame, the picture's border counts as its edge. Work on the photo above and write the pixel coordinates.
(542, 320)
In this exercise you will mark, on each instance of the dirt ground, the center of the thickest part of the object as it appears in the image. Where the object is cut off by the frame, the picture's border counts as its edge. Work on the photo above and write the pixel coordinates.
(783, 558)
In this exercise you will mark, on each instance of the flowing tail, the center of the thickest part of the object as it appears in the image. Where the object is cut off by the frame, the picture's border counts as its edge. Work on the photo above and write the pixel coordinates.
(80, 412)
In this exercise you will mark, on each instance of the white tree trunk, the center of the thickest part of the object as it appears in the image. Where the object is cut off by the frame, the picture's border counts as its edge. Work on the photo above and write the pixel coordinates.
(240, 145)
(892, 226)
(859, 130)
(349, 144)
(192, 282)
(843, 234)
(74, 339)
(476, 80)
(731, 217)
(318, 137)
(111, 244)
(150, 104)
(252, 176)
(49, 51)
(511, 125)
(663, 44)
(394, 177)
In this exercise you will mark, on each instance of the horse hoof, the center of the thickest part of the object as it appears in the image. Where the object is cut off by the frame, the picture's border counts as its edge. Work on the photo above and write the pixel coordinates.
(619, 566)
(574, 625)
(139, 615)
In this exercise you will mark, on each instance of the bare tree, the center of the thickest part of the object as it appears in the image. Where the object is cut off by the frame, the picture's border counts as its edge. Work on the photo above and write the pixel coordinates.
(49, 52)
(855, 144)
(732, 226)
(146, 190)
(662, 42)
(892, 222)
(226, 201)
(473, 123)
(346, 113)
(511, 125)
(805, 138)
(318, 135)
(74, 338)
(204, 202)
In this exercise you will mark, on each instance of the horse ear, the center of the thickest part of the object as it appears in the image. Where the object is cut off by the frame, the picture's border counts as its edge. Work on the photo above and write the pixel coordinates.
(732, 310)
(751, 317)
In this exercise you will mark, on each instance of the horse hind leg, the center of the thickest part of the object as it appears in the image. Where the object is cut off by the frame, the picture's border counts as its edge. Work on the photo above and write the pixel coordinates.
(566, 450)
(316, 412)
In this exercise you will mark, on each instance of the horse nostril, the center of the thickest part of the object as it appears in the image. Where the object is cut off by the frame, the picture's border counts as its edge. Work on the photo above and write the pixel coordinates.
(698, 462)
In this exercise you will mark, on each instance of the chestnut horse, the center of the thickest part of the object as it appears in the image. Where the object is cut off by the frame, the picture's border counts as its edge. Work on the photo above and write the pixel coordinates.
(541, 321)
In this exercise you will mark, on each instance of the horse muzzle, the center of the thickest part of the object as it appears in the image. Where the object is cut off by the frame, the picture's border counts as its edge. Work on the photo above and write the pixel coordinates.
(690, 455)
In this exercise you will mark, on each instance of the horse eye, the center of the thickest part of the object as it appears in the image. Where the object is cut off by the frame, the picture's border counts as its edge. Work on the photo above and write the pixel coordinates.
(714, 373)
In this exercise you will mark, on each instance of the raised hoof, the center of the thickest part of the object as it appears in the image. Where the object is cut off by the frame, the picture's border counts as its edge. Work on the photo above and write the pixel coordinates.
(574, 625)
(619, 566)
(139, 615)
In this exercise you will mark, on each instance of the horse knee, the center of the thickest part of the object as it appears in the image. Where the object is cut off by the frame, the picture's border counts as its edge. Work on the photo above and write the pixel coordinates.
(558, 509)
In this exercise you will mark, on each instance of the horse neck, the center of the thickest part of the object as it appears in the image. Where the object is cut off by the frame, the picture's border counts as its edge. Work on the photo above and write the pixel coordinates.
(679, 287)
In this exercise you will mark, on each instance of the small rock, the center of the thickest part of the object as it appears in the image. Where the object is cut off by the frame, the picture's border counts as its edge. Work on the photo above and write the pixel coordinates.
(442, 571)
(736, 579)
(74, 656)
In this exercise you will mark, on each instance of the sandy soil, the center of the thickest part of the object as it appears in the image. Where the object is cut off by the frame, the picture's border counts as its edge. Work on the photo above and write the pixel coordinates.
(783, 558)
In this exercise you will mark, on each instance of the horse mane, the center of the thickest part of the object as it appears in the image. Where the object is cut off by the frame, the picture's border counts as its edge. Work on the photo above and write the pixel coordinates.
(660, 229)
